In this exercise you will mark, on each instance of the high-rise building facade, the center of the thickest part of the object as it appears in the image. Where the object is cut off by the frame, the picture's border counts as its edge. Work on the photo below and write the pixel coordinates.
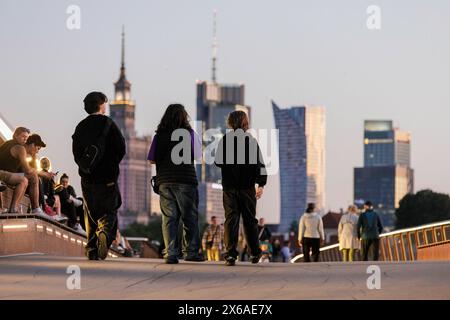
(386, 176)
(135, 170)
(301, 147)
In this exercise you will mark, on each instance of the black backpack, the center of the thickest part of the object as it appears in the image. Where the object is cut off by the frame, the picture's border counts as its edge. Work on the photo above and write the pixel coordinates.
(94, 152)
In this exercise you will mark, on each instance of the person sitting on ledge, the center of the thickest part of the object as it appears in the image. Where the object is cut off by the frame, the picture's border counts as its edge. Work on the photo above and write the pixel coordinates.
(13, 161)
(52, 202)
(69, 202)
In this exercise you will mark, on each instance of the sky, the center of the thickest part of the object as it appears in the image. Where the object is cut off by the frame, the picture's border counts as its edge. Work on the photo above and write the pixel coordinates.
(294, 52)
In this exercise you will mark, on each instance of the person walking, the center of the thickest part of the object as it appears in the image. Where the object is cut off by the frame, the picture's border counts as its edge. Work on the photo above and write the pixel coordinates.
(212, 241)
(369, 228)
(176, 180)
(243, 179)
(98, 147)
(310, 233)
(347, 234)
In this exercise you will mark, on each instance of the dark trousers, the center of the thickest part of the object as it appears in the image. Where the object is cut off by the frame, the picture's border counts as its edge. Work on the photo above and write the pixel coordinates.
(237, 203)
(68, 208)
(308, 245)
(370, 249)
(101, 202)
(179, 202)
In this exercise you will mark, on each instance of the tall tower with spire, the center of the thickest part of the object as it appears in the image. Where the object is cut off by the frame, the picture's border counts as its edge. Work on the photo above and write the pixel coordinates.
(135, 171)
(123, 108)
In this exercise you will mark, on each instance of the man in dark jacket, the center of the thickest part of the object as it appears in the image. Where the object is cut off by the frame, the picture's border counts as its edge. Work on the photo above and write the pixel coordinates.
(243, 179)
(369, 228)
(99, 185)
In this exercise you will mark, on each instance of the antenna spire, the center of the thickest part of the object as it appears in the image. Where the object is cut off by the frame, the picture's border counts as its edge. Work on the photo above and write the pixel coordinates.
(123, 48)
(214, 49)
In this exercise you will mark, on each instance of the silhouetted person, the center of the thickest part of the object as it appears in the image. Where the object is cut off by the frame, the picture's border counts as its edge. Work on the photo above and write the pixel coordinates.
(99, 180)
(243, 179)
(369, 228)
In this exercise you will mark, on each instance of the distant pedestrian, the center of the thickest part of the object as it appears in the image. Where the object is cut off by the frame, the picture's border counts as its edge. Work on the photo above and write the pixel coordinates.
(286, 251)
(348, 235)
(368, 229)
(212, 241)
(310, 233)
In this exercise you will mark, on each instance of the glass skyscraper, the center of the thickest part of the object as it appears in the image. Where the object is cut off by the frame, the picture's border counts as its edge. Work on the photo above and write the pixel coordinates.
(302, 160)
(386, 176)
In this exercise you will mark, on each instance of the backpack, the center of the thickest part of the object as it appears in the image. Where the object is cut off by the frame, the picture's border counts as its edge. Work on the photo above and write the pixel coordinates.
(94, 152)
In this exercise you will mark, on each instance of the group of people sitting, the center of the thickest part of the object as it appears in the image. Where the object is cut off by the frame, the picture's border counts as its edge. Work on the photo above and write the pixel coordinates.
(21, 170)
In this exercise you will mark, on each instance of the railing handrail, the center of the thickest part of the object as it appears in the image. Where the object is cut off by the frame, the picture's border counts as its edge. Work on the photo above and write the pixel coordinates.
(400, 231)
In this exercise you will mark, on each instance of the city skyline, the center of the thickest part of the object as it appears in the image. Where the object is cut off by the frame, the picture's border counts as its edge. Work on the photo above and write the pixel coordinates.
(370, 74)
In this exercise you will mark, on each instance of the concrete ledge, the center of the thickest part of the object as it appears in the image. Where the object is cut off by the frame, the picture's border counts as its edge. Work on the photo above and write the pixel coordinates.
(30, 234)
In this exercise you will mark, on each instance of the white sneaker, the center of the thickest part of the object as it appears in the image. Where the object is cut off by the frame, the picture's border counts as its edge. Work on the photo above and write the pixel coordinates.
(39, 212)
(60, 219)
(79, 229)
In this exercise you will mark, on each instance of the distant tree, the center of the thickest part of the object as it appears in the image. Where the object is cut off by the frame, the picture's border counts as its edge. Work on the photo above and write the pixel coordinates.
(153, 230)
(421, 208)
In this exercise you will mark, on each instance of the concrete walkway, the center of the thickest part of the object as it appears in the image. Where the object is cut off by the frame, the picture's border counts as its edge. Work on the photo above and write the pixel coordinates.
(45, 277)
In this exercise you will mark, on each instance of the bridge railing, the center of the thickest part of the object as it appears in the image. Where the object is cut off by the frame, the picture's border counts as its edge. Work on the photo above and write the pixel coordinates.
(399, 245)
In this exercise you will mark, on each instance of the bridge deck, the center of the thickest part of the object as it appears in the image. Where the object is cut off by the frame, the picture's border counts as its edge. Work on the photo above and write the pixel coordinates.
(44, 277)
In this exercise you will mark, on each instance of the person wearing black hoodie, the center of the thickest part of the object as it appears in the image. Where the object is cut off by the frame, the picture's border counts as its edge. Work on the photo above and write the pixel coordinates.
(243, 179)
(99, 185)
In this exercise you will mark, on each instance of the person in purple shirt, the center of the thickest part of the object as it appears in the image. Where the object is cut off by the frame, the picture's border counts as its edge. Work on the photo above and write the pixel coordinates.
(177, 180)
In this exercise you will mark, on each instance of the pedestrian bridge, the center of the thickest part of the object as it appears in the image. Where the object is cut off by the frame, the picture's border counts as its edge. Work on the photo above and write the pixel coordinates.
(39, 259)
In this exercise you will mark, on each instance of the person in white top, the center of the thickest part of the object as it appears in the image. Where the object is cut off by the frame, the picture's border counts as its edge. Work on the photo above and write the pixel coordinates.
(347, 233)
(310, 233)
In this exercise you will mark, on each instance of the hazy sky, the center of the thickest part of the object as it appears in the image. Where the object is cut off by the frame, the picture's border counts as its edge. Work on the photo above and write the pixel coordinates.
(295, 52)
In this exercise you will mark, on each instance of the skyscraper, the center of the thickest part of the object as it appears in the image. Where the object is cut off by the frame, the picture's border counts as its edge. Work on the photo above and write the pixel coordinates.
(302, 160)
(386, 176)
(135, 171)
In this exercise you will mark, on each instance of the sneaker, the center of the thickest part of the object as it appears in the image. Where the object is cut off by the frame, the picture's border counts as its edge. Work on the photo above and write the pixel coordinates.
(197, 258)
(79, 229)
(102, 245)
(39, 212)
(171, 260)
(230, 261)
(60, 219)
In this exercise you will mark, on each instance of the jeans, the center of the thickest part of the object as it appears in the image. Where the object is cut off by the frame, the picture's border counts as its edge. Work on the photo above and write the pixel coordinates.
(370, 249)
(179, 202)
(100, 212)
(308, 244)
(237, 203)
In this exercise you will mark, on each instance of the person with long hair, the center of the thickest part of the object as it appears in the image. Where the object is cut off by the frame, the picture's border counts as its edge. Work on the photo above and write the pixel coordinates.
(176, 180)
